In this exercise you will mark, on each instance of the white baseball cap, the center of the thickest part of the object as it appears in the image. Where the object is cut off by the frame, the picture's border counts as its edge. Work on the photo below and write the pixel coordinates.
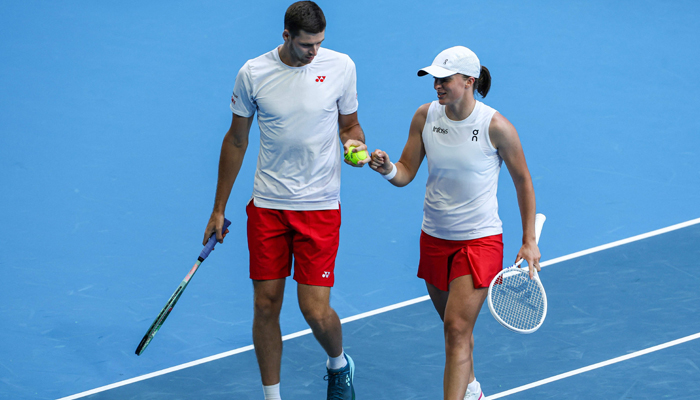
(455, 60)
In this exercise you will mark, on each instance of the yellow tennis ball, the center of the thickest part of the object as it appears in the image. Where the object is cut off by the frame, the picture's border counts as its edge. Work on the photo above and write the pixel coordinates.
(355, 157)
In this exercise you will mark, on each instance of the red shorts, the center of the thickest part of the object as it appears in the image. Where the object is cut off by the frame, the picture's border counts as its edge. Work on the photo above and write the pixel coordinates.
(311, 238)
(442, 260)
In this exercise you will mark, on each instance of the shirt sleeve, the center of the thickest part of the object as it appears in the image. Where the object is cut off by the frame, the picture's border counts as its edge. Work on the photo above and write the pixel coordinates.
(347, 103)
(242, 101)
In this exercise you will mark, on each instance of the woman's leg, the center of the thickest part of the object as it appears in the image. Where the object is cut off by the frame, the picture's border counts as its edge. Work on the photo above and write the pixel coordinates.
(439, 299)
(460, 312)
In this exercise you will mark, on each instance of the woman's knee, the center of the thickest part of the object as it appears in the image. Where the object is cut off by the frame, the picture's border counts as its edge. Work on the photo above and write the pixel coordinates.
(458, 331)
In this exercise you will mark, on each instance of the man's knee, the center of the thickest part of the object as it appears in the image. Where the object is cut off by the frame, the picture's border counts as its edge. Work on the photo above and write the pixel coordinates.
(314, 302)
(268, 302)
(315, 311)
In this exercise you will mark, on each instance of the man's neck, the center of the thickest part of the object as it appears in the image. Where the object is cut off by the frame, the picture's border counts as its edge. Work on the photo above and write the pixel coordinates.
(286, 56)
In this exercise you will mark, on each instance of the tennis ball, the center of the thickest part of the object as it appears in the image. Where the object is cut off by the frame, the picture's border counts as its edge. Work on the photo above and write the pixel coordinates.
(355, 157)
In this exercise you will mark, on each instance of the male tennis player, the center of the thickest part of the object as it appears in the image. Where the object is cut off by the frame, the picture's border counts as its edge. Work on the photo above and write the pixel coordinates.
(305, 96)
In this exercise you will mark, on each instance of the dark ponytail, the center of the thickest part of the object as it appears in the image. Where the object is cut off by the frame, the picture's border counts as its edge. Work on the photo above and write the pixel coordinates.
(483, 83)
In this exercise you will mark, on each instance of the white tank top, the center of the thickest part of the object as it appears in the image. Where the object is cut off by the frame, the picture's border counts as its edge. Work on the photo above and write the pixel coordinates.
(463, 166)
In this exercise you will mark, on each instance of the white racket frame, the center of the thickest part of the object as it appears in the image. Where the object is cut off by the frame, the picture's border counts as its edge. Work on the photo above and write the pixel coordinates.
(517, 269)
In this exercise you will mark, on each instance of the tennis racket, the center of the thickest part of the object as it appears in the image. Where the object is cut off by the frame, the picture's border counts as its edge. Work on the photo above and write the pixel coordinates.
(516, 301)
(178, 292)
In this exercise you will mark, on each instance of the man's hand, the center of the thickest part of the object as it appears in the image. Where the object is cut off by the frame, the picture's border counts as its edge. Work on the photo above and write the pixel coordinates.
(359, 146)
(216, 223)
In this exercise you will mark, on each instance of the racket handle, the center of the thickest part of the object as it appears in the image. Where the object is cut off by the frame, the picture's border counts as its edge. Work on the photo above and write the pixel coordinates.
(212, 242)
(539, 223)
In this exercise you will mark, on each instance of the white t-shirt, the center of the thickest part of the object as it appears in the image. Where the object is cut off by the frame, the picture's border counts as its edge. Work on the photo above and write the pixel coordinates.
(463, 167)
(300, 152)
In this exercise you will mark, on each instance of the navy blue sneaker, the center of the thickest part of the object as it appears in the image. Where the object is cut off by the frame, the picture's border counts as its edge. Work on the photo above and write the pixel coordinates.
(340, 382)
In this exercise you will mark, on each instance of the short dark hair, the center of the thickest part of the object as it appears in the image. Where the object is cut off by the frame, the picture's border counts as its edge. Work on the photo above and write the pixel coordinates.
(304, 16)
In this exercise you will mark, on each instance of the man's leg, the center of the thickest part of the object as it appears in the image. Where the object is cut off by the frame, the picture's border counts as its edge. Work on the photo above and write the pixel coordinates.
(314, 302)
(267, 335)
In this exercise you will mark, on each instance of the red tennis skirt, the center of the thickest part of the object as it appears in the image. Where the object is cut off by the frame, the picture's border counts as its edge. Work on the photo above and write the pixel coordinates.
(442, 260)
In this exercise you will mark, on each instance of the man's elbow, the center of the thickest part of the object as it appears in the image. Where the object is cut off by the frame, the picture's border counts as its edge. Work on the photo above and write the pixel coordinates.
(235, 141)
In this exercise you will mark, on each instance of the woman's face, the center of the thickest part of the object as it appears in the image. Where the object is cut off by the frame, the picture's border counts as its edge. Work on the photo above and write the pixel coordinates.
(452, 88)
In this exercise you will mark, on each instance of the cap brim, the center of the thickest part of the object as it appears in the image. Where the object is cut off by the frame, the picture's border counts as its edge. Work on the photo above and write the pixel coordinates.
(436, 71)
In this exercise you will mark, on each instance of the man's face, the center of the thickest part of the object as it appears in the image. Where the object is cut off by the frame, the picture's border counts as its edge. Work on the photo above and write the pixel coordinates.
(304, 47)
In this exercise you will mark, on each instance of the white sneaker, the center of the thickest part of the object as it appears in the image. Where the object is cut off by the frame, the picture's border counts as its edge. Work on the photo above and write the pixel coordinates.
(474, 396)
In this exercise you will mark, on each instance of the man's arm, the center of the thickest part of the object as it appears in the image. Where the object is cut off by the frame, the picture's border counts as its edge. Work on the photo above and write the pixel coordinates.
(505, 138)
(232, 151)
(351, 134)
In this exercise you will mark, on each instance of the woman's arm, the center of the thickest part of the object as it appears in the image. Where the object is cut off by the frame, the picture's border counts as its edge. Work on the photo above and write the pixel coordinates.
(412, 156)
(505, 138)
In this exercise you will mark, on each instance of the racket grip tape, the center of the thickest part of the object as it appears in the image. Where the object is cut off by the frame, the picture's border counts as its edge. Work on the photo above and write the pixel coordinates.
(212, 242)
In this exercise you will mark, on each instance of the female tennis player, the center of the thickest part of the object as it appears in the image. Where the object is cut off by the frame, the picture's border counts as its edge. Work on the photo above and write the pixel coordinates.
(461, 247)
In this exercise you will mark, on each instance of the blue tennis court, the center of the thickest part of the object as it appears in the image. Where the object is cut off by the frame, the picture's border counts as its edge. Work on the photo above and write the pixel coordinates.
(113, 116)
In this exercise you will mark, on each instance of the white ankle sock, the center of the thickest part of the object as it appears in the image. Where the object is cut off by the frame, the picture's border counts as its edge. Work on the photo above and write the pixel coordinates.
(474, 387)
(272, 392)
(337, 362)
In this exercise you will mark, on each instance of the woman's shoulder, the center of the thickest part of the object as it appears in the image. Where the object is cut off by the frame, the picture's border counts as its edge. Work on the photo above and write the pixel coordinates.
(420, 117)
(501, 130)
(423, 110)
(499, 122)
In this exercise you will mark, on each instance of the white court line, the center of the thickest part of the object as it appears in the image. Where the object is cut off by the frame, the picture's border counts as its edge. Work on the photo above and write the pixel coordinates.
(374, 312)
(237, 351)
(595, 366)
(621, 242)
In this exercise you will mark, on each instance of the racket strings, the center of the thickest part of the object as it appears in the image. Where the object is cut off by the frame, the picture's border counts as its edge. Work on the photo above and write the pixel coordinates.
(518, 300)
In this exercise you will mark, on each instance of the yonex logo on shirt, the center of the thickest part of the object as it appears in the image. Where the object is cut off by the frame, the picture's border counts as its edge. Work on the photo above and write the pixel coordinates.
(437, 129)
(326, 274)
(320, 78)
(233, 100)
